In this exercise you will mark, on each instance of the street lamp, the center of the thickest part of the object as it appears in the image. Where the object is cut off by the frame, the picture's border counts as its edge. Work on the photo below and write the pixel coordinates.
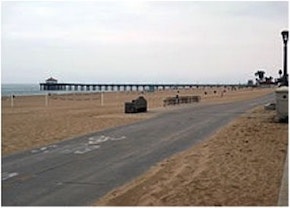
(285, 39)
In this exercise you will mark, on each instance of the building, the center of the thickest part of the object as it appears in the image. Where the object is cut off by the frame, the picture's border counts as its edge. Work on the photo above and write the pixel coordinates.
(51, 81)
(250, 83)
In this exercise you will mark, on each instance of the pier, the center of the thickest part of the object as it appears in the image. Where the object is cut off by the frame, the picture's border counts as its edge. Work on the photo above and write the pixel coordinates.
(127, 87)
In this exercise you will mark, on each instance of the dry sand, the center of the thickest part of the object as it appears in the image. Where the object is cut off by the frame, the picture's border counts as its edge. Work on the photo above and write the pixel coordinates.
(241, 165)
(30, 123)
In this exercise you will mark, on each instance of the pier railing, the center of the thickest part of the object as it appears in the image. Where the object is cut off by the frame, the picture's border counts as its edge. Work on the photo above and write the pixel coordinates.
(127, 87)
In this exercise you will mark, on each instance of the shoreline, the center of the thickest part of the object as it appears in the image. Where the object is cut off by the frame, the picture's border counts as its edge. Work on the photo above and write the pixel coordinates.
(52, 93)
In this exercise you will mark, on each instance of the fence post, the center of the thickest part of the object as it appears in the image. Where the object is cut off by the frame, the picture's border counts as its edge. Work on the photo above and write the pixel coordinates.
(46, 99)
(102, 98)
(12, 101)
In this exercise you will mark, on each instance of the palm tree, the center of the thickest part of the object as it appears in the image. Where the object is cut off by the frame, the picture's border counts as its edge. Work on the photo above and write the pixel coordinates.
(280, 73)
(269, 80)
(260, 74)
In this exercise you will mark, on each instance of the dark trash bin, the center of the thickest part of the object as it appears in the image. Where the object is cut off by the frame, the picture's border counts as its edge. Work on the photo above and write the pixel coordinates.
(136, 106)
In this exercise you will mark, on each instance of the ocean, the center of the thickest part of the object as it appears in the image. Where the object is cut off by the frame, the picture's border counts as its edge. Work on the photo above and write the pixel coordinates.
(34, 89)
(26, 89)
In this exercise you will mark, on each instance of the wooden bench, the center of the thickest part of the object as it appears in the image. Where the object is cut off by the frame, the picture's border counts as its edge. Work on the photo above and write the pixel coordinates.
(180, 100)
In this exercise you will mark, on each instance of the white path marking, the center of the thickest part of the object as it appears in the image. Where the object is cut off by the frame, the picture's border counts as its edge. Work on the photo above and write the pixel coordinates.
(118, 138)
(94, 142)
(98, 140)
(87, 149)
(7, 175)
(44, 149)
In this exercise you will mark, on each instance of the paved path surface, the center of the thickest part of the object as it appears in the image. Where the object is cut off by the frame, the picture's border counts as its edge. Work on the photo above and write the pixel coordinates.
(79, 171)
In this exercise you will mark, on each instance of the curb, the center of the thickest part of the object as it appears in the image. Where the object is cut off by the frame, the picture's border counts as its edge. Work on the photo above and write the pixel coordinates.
(283, 193)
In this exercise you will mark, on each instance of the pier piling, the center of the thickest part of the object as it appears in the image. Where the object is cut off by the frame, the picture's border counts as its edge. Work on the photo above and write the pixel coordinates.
(128, 87)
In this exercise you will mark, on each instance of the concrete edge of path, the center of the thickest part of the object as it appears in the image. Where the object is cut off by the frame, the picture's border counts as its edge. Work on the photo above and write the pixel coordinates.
(283, 193)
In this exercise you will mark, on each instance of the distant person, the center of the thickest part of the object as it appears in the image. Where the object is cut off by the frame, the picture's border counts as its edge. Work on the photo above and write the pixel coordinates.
(177, 99)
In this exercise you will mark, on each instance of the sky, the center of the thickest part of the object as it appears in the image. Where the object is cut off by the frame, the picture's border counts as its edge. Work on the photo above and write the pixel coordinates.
(222, 42)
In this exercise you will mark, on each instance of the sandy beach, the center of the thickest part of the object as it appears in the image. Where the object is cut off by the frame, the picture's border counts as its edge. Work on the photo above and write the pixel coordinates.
(241, 165)
(34, 121)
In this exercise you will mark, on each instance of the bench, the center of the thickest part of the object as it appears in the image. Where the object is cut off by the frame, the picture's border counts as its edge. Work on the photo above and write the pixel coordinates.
(180, 100)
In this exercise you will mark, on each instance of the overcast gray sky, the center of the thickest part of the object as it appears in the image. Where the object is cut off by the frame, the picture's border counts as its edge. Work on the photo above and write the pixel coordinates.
(139, 41)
